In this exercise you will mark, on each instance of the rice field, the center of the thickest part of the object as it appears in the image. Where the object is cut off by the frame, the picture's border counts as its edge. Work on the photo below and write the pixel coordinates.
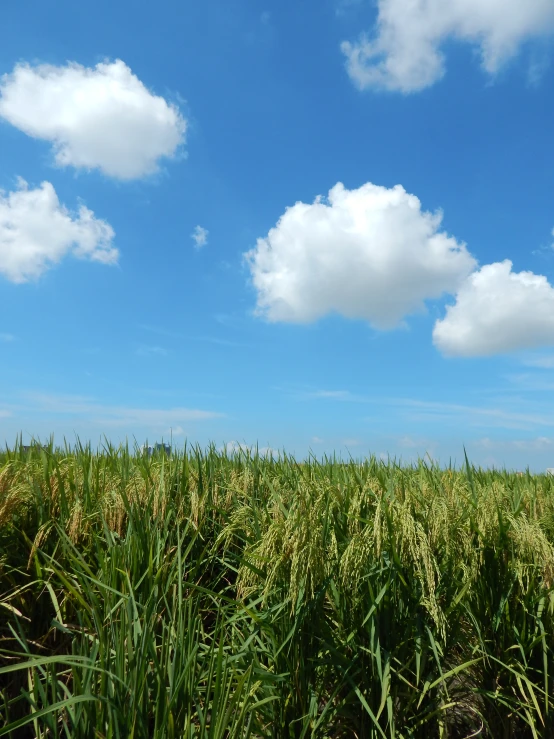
(213, 595)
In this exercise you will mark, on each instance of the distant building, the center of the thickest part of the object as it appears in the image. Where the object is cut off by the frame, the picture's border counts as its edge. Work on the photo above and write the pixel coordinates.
(31, 447)
(149, 450)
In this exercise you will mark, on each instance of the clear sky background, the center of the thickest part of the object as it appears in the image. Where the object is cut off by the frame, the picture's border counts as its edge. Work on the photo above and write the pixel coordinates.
(320, 226)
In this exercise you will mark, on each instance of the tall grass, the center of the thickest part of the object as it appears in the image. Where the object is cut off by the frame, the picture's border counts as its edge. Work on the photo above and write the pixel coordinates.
(208, 595)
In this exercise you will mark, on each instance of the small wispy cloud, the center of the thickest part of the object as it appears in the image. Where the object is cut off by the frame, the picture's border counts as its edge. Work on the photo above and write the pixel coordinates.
(532, 382)
(182, 337)
(343, 7)
(7, 337)
(231, 320)
(219, 341)
(419, 447)
(151, 351)
(408, 442)
(537, 69)
(4, 413)
(317, 440)
(104, 415)
(411, 409)
(148, 350)
(545, 250)
(538, 444)
(540, 362)
(344, 395)
(161, 331)
(473, 415)
(200, 237)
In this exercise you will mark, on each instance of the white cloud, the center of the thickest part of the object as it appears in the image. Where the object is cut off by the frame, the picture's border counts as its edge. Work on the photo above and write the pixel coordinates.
(102, 117)
(540, 443)
(351, 442)
(498, 311)
(405, 51)
(370, 253)
(541, 362)
(4, 413)
(334, 395)
(37, 231)
(7, 337)
(161, 331)
(114, 415)
(537, 69)
(410, 443)
(421, 410)
(200, 237)
(317, 440)
(151, 351)
(532, 382)
(412, 409)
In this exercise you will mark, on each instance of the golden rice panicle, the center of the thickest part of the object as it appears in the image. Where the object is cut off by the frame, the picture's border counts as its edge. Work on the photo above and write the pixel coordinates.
(533, 552)
(416, 551)
(12, 495)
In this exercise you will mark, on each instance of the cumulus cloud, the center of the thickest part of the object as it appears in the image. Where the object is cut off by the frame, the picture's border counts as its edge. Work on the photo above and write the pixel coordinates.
(200, 237)
(405, 51)
(102, 117)
(37, 231)
(370, 253)
(498, 311)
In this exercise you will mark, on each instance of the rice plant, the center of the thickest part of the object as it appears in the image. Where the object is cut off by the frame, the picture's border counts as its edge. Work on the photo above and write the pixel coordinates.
(208, 594)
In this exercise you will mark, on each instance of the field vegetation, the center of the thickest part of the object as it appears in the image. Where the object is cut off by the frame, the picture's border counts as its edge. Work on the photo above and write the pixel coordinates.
(229, 596)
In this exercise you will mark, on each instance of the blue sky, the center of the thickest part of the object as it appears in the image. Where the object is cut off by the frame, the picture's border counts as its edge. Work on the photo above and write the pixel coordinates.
(193, 265)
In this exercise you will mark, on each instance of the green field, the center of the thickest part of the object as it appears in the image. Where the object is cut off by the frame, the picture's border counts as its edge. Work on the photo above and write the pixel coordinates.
(206, 595)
